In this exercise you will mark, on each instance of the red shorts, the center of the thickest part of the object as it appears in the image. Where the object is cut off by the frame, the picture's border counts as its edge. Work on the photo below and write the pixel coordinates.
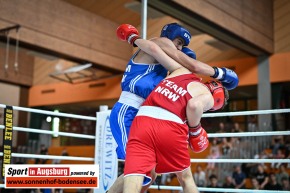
(156, 143)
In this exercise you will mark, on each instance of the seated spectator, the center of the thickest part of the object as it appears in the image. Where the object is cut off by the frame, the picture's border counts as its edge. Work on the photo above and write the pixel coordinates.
(213, 182)
(277, 143)
(221, 130)
(287, 146)
(229, 182)
(279, 155)
(214, 154)
(236, 129)
(285, 184)
(282, 173)
(262, 176)
(239, 178)
(226, 146)
(263, 155)
(273, 184)
(199, 177)
(255, 184)
(252, 124)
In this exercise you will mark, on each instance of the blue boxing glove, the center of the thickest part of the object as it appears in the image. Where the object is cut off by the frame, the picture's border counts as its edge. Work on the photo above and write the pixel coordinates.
(228, 78)
(189, 52)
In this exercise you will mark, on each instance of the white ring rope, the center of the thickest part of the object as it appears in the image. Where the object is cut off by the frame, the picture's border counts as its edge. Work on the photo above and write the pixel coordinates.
(210, 135)
(241, 160)
(249, 134)
(25, 155)
(240, 113)
(219, 189)
(31, 130)
(50, 113)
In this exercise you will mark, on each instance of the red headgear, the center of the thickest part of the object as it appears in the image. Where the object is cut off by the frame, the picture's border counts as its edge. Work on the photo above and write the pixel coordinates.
(219, 93)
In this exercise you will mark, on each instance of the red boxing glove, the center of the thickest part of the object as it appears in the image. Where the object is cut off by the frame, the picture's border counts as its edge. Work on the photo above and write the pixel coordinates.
(127, 32)
(198, 140)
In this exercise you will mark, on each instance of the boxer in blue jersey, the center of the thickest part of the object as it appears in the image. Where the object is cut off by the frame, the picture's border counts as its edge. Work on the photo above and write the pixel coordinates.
(143, 73)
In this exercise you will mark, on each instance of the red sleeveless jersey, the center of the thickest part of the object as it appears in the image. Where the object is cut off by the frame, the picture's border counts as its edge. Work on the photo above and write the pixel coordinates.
(171, 94)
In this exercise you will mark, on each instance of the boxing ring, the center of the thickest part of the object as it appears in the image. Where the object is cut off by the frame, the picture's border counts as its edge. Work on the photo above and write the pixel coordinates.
(96, 158)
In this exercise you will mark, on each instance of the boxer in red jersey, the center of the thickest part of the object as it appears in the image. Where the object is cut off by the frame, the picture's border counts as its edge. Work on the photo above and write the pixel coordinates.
(167, 122)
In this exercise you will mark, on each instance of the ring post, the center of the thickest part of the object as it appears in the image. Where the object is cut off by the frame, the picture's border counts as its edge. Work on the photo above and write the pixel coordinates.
(105, 152)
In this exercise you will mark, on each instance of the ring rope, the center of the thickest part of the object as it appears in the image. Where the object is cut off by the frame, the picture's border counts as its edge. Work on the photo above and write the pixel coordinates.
(210, 135)
(219, 189)
(241, 160)
(31, 130)
(239, 113)
(50, 113)
(249, 134)
(25, 155)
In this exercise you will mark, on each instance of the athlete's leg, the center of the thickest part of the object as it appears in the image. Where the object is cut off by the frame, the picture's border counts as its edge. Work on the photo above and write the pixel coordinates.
(133, 184)
(185, 179)
(117, 187)
(153, 176)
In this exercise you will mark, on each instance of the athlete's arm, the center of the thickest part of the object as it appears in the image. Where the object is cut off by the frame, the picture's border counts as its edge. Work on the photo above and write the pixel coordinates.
(201, 101)
(193, 65)
(155, 51)
(228, 77)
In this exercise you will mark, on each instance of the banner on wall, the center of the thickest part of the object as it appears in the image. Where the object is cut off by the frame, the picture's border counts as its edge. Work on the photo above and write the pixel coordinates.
(7, 137)
(105, 152)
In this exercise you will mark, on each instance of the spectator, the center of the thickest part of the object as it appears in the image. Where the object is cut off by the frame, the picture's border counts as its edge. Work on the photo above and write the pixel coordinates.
(285, 184)
(236, 129)
(199, 177)
(252, 125)
(221, 130)
(263, 155)
(282, 174)
(229, 182)
(255, 184)
(279, 155)
(226, 146)
(262, 176)
(273, 184)
(287, 146)
(277, 143)
(239, 177)
(214, 154)
(213, 182)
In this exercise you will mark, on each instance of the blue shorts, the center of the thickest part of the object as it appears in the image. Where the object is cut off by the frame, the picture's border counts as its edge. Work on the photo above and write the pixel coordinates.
(120, 122)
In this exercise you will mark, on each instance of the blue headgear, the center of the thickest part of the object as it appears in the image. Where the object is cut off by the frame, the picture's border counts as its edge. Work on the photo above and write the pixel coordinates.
(174, 30)
(189, 52)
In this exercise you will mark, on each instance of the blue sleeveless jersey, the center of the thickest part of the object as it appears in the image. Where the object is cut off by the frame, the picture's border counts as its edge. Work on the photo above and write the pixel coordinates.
(139, 79)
